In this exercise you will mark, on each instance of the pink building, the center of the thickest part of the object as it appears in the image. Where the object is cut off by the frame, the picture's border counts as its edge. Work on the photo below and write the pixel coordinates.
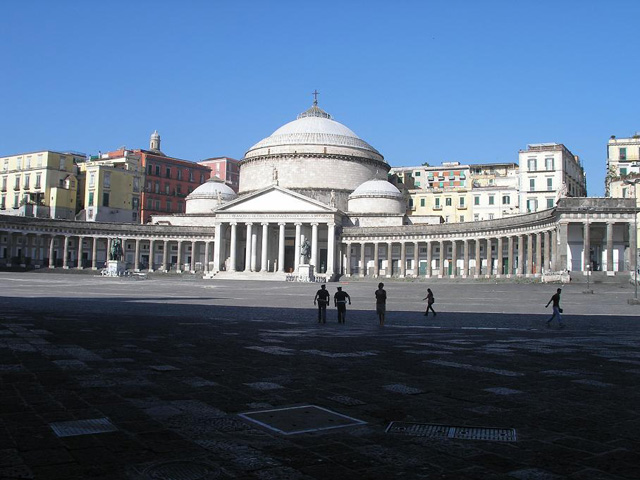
(226, 169)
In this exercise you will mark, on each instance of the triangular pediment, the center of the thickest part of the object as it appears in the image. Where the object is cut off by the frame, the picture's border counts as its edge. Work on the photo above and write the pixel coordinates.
(275, 200)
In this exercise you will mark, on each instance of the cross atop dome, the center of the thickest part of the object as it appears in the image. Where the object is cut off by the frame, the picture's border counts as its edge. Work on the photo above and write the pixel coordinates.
(315, 97)
(315, 110)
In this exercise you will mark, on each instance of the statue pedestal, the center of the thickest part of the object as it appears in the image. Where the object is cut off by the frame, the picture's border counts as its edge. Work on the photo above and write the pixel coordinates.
(115, 268)
(305, 272)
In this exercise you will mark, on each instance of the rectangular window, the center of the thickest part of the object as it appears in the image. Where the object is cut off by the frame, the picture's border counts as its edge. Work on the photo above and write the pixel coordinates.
(549, 202)
(91, 199)
(135, 203)
(5, 167)
(166, 188)
(39, 160)
(179, 189)
(623, 153)
(28, 163)
(461, 202)
(149, 169)
(4, 184)
(476, 200)
(19, 163)
(158, 205)
(491, 199)
(476, 217)
(63, 162)
(168, 172)
(190, 175)
(16, 186)
(105, 199)
(168, 206)
(437, 204)
(548, 163)
(623, 171)
(16, 200)
(180, 207)
(447, 201)
(179, 174)
(26, 181)
(532, 164)
(422, 202)
(506, 200)
(157, 190)
(532, 184)
(92, 180)
(158, 170)
(201, 178)
(107, 179)
(416, 174)
(136, 184)
(3, 199)
(149, 204)
(461, 218)
(491, 218)
(549, 184)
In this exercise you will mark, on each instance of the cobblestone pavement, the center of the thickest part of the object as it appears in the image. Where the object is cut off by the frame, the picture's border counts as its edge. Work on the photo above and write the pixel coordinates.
(158, 372)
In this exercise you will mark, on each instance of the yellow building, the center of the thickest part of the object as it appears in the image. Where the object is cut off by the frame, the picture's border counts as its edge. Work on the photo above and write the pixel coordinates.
(39, 184)
(110, 186)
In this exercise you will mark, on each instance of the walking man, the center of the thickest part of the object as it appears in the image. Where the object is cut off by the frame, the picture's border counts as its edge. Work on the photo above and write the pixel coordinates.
(322, 299)
(430, 301)
(381, 303)
(340, 300)
(556, 309)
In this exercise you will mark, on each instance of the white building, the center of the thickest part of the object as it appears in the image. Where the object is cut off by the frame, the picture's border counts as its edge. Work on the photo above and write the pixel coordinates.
(548, 172)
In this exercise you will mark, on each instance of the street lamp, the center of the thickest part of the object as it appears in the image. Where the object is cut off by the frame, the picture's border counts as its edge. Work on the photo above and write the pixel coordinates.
(635, 182)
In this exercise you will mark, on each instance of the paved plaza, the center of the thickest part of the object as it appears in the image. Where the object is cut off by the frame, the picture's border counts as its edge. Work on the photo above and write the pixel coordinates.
(182, 378)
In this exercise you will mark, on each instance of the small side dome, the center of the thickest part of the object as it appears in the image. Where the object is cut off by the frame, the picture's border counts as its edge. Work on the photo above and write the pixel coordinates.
(377, 196)
(209, 196)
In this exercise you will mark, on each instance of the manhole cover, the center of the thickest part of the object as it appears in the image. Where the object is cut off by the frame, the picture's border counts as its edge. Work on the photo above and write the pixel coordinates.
(293, 420)
(182, 470)
(83, 427)
(447, 431)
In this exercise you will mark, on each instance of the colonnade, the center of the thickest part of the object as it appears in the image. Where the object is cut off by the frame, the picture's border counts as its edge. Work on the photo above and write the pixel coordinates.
(261, 246)
(90, 251)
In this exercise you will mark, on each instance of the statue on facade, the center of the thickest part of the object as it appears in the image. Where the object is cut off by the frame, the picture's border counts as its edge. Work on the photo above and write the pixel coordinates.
(305, 251)
(115, 253)
(332, 199)
(274, 176)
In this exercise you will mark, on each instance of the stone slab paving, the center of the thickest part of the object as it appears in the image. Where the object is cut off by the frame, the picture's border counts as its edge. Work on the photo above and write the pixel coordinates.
(171, 362)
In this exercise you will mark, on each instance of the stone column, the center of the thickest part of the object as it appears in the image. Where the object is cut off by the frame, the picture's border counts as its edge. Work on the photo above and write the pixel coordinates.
(314, 245)
(247, 253)
(465, 265)
(264, 267)
(65, 261)
(296, 253)
(554, 250)
(52, 263)
(331, 249)
(546, 263)
(233, 261)
(79, 252)
(499, 262)
(136, 261)
(151, 245)
(363, 266)
(529, 254)
(347, 269)
(165, 253)
(179, 266)
(454, 258)
(489, 256)
(429, 259)
(633, 246)
(442, 257)
(586, 244)
(478, 259)
(36, 251)
(94, 253)
(217, 248)
(403, 259)
(562, 256)
(520, 270)
(193, 256)
(254, 251)
(538, 253)
(610, 267)
(389, 259)
(281, 241)
(376, 270)
(510, 256)
(207, 247)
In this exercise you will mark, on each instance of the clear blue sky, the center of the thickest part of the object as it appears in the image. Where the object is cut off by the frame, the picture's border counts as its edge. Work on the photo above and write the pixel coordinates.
(422, 81)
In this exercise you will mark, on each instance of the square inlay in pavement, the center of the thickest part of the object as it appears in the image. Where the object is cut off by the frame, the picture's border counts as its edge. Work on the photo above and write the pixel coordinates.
(448, 431)
(304, 419)
(83, 427)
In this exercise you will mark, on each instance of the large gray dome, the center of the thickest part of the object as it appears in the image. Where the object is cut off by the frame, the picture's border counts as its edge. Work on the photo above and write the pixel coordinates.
(377, 197)
(209, 196)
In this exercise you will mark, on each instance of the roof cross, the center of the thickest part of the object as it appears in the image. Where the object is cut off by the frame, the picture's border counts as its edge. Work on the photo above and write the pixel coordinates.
(315, 97)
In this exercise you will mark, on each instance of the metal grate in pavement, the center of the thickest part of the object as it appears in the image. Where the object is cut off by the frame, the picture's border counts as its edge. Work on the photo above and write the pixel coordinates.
(182, 470)
(304, 419)
(447, 431)
(83, 427)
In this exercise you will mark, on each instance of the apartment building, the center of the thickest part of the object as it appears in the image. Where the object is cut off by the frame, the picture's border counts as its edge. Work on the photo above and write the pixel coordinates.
(549, 171)
(226, 169)
(111, 187)
(40, 184)
(623, 159)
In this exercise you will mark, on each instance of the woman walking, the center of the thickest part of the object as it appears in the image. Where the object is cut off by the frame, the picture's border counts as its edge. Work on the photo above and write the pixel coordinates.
(430, 301)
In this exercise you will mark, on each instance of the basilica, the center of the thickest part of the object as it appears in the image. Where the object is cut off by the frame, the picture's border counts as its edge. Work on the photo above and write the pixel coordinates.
(314, 185)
